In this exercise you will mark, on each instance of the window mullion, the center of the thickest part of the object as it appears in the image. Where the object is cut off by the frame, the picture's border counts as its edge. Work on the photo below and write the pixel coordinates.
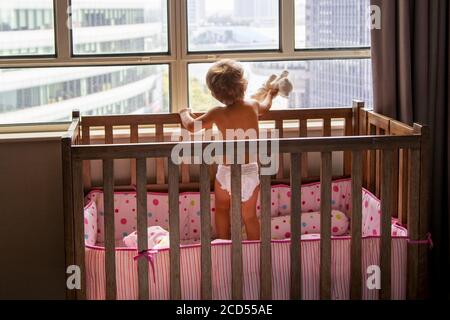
(287, 27)
(179, 77)
(62, 32)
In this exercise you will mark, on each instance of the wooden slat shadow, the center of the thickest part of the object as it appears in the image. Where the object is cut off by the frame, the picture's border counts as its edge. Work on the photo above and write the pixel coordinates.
(325, 226)
(205, 209)
(78, 211)
(403, 185)
(86, 140)
(174, 226)
(413, 224)
(266, 247)
(236, 233)
(160, 171)
(134, 138)
(296, 267)
(279, 127)
(110, 250)
(304, 157)
(348, 131)
(356, 219)
(141, 173)
(387, 183)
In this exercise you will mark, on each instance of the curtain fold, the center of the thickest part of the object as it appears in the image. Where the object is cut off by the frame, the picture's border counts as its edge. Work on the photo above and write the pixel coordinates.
(411, 74)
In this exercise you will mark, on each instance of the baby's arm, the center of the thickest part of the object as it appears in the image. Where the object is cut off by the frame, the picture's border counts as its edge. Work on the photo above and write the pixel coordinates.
(205, 120)
(266, 104)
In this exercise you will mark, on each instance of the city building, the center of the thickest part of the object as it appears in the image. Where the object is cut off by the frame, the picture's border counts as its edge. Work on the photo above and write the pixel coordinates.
(50, 94)
(340, 24)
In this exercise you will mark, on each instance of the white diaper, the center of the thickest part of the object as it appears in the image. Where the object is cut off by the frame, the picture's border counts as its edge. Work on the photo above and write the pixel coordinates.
(249, 179)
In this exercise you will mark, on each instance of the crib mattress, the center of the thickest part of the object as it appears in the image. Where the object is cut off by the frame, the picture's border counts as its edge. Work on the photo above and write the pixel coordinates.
(190, 252)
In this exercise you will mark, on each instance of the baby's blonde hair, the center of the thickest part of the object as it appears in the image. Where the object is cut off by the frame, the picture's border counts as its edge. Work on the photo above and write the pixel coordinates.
(226, 81)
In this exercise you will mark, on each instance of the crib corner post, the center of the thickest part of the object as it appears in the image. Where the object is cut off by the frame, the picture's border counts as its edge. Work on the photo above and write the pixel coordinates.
(424, 203)
(66, 161)
(75, 114)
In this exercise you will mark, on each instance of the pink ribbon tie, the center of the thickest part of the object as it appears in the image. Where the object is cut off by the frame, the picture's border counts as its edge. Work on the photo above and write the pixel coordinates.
(428, 241)
(149, 255)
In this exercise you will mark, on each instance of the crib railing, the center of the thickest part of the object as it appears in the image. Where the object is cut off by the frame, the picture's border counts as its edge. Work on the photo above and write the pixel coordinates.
(294, 146)
(355, 120)
(383, 155)
(296, 122)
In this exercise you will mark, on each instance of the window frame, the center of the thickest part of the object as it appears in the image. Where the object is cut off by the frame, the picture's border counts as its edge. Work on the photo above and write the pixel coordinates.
(178, 58)
(131, 54)
(248, 51)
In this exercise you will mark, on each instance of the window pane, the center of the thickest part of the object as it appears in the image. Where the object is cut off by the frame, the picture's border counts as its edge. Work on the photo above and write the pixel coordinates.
(332, 23)
(317, 83)
(26, 28)
(50, 94)
(230, 25)
(119, 26)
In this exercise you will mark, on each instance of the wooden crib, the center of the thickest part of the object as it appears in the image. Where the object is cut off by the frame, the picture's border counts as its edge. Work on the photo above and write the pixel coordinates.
(382, 155)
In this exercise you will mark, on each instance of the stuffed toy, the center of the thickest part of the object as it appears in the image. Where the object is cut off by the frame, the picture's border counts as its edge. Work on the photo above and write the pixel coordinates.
(280, 83)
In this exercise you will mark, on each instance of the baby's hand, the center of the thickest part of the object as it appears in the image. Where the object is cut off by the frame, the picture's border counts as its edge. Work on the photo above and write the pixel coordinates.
(185, 110)
(274, 92)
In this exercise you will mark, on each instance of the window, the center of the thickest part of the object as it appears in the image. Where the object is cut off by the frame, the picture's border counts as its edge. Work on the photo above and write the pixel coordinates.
(119, 26)
(50, 94)
(331, 23)
(229, 25)
(151, 56)
(318, 83)
(26, 28)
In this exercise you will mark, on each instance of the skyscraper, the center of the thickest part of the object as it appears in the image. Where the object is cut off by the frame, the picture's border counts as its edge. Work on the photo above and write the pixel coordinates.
(196, 11)
(251, 9)
(340, 24)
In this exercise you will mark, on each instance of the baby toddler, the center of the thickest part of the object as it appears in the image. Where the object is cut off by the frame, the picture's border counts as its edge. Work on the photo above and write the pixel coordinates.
(227, 84)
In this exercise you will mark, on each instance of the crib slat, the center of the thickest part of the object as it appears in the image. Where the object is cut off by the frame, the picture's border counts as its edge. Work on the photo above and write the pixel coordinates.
(134, 138)
(174, 227)
(378, 168)
(160, 171)
(141, 173)
(387, 182)
(78, 210)
(325, 226)
(279, 127)
(355, 264)
(205, 209)
(266, 247)
(236, 233)
(363, 130)
(86, 140)
(326, 127)
(413, 224)
(109, 135)
(296, 220)
(185, 176)
(110, 252)
(403, 186)
(395, 187)
(371, 165)
(304, 133)
(348, 154)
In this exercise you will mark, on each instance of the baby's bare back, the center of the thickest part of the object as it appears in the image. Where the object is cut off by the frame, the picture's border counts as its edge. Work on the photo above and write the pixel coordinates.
(239, 122)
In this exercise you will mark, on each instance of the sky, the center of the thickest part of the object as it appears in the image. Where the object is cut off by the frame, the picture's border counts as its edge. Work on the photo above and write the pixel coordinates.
(212, 6)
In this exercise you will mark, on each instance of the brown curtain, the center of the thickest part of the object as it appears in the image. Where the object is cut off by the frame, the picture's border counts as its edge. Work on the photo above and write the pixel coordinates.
(410, 56)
